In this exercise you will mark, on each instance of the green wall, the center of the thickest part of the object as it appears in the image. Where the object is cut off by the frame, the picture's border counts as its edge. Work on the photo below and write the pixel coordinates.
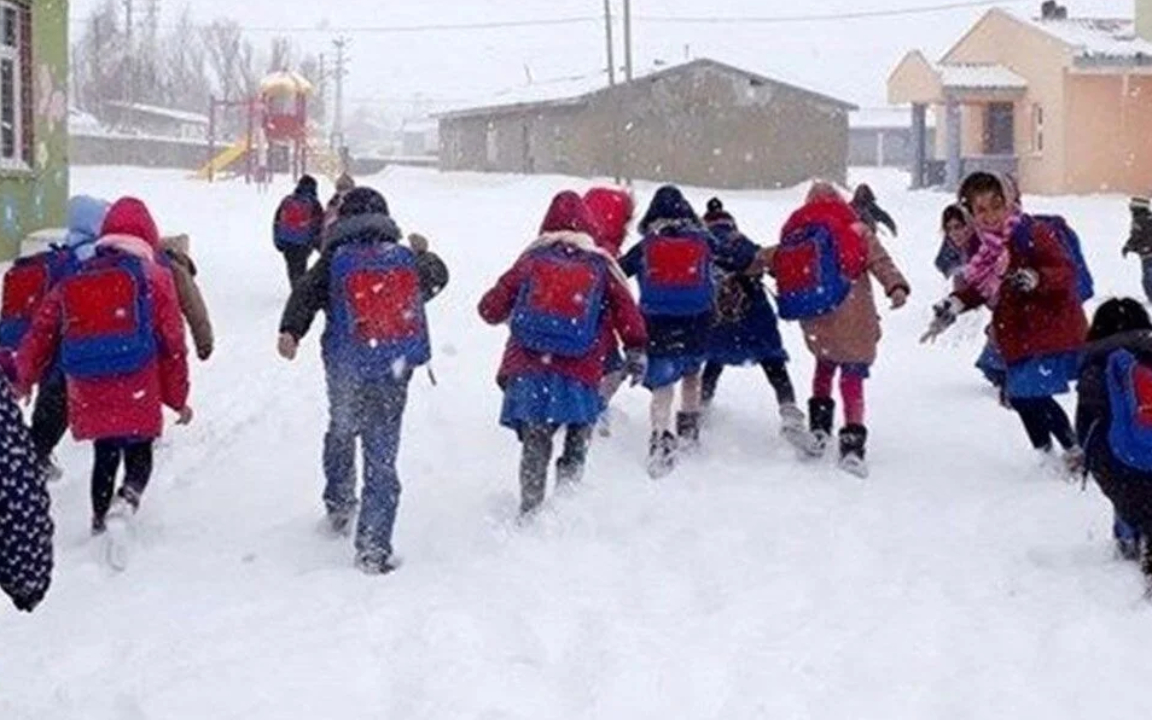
(36, 199)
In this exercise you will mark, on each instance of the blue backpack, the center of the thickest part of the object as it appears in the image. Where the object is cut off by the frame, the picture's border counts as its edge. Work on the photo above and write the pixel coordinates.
(676, 275)
(26, 284)
(558, 309)
(1085, 285)
(295, 222)
(109, 325)
(1130, 404)
(376, 315)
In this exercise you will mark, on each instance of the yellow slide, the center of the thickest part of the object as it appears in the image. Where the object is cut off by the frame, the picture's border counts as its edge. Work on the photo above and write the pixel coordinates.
(228, 156)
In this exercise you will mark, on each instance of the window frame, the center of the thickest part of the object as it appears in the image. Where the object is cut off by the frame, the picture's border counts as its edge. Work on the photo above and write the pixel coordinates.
(1037, 129)
(22, 98)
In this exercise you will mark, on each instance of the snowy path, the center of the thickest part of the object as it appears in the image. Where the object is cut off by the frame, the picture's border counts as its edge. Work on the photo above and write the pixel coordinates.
(959, 582)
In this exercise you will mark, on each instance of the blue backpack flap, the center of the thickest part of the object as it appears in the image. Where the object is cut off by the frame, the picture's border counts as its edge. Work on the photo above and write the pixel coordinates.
(295, 222)
(559, 307)
(26, 284)
(676, 277)
(1085, 285)
(1130, 404)
(809, 280)
(109, 328)
(376, 322)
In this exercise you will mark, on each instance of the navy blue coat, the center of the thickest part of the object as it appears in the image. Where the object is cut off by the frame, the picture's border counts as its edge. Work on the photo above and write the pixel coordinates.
(745, 329)
(25, 523)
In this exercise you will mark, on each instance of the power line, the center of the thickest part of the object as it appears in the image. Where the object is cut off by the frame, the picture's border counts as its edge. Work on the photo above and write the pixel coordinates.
(827, 17)
(368, 29)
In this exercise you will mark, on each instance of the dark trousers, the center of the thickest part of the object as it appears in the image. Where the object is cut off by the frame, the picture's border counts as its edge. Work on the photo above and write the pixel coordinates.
(50, 416)
(1146, 276)
(775, 370)
(537, 455)
(297, 261)
(1044, 420)
(137, 459)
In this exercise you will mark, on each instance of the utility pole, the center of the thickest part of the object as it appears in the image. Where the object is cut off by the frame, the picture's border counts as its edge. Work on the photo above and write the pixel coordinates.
(608, 37)
(628, 40)
(322, 90)
(341, 44)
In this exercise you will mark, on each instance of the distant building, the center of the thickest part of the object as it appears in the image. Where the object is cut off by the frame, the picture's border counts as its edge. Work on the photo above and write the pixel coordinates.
(419, 138)
(1063, 102)
(156, 121)
(33, 119)
(882, 137)
(701, 123)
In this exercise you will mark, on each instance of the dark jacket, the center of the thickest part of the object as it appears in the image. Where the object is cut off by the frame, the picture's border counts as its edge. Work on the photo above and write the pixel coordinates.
(316, 226)
(25, 524)
(311, 296)
(1129, 489)
(745, 327)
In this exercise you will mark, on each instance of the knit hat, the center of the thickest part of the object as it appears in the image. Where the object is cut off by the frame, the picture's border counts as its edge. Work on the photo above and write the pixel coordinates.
(363, 201)
(717, 214)
(668, 204)
(568, 213)
(306, 186)
(345, 183)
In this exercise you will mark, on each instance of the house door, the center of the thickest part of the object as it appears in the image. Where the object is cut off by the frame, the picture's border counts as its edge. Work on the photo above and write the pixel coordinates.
(1000, 129)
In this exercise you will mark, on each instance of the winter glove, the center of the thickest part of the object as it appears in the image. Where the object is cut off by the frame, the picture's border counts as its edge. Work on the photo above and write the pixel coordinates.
(418, 243)
(287, 346)
(1025, 280)
(635, 367)
(899, 297)
(945, 313)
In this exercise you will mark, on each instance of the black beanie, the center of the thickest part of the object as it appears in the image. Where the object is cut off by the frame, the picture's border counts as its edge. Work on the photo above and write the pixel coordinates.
(363, 201)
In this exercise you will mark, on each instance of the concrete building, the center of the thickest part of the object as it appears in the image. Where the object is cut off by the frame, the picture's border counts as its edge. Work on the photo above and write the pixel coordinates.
(33, 119)
(156, 121)
(882, 137)
(1063, 102)
(701, 123)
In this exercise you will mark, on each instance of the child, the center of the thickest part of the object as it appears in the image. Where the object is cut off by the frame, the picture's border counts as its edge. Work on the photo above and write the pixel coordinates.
(1140, 240)
(839, 318)
(565, 300)
(120, 372)
(25, 522)
(297, 227)
(192, 304)
(745, 330)
(674, 264)
(613, 209)
(373, 294)
(1024, 273)
(1120, 347)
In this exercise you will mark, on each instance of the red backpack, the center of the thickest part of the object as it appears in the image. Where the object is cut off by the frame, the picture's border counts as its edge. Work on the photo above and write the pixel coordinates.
(820, 255)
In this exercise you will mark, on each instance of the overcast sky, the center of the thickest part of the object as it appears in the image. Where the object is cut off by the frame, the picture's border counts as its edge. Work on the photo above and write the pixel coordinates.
(849, 59)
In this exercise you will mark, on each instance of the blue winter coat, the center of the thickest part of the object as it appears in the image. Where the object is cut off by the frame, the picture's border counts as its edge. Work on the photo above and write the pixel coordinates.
(745, 329)
(25, 524)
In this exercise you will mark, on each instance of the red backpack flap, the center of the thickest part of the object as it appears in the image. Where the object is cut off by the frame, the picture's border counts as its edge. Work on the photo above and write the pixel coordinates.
(296, 214)
(385, 304)
(839, 217)
(674, 262)
(563, 288)
(25, 285)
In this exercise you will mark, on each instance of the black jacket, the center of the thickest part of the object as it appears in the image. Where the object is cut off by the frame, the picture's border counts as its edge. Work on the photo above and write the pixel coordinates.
(310, 296)
(316, 227)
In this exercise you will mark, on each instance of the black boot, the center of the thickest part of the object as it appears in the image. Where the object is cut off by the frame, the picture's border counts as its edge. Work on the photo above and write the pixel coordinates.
(821, 412)
(853, 439)
(688, 430)
(661, 455)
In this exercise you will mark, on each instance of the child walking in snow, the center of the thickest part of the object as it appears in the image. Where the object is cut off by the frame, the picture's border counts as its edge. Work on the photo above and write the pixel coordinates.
(823, 269)
(566, 300)
(298, 226)
(745, 330)
(177, 251)
(1140, 240)
(373, 291)
(673, 262)
(1027, 277)
(117, 327)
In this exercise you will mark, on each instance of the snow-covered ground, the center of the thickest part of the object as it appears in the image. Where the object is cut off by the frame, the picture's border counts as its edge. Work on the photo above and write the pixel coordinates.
(960, 581)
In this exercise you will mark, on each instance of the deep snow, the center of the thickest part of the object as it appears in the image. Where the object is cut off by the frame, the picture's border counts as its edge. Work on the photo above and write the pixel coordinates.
(960, 581)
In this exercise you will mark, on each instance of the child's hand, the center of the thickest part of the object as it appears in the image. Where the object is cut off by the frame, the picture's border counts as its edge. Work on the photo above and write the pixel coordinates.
(287, 346)
(184, 416)
(635, 366)
(1025, 280)
(899, 298)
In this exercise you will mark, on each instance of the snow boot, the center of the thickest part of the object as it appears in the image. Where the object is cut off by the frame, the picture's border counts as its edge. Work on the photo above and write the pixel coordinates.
(569, 472)
(661, 455)
(374, 563)
(793, 429)
(118, 526)
(821, 412)
(853, 438)
(1127, 539)
(51, 470)
(340, 522)
(688, 431)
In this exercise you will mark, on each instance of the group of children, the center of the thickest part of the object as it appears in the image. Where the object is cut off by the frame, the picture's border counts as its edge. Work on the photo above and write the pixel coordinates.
(702, 307)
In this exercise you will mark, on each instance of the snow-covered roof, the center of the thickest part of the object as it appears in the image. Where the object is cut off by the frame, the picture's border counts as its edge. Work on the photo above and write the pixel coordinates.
(980, 77)
(156, 111)
(882, 118)
(1096, 38)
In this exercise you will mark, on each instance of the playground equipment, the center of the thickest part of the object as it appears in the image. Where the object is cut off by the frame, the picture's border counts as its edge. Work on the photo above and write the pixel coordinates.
(278, 136)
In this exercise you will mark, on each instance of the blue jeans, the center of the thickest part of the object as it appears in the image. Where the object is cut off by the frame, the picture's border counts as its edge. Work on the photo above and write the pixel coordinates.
(371, 410)
(1146, 276)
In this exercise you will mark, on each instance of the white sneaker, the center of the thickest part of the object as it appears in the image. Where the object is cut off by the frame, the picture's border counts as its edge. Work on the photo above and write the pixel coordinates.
(118, 536)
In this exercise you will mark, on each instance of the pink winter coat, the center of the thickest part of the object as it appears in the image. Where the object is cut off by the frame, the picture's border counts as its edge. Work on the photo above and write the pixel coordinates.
(127, 406)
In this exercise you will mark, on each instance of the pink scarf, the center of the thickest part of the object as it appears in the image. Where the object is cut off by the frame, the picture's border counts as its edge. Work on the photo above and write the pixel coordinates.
(986, 269)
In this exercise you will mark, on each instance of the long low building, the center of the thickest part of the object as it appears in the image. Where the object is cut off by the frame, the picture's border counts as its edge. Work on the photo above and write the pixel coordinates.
(702, 123)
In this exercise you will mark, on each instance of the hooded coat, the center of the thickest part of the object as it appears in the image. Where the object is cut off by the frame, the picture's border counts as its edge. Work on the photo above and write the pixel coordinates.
(306, 190)
(85, 218)
(570, 227)
(123, 406)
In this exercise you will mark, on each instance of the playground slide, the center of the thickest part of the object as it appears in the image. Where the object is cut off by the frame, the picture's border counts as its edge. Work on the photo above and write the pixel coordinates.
(230, 155)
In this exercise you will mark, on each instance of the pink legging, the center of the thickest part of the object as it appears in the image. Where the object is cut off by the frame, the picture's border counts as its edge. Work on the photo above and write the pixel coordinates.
(851, 389)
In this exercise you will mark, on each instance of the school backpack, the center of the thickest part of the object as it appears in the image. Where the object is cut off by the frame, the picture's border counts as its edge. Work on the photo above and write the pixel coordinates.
(819, 257)
(676, 275)
(559, 307)
(26, 284)
(108, 319)
(1129, 383)
(376, 320)
(1085, 285)
(295, 222)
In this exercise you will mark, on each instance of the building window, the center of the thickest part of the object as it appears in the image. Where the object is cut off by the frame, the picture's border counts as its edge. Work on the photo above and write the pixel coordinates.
(15, 85)
(492, 144)
(1037, 129)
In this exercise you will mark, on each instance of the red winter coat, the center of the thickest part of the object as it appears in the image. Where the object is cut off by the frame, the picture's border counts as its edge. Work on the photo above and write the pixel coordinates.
(1046, 321)
(621, 317)
(128, 406)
